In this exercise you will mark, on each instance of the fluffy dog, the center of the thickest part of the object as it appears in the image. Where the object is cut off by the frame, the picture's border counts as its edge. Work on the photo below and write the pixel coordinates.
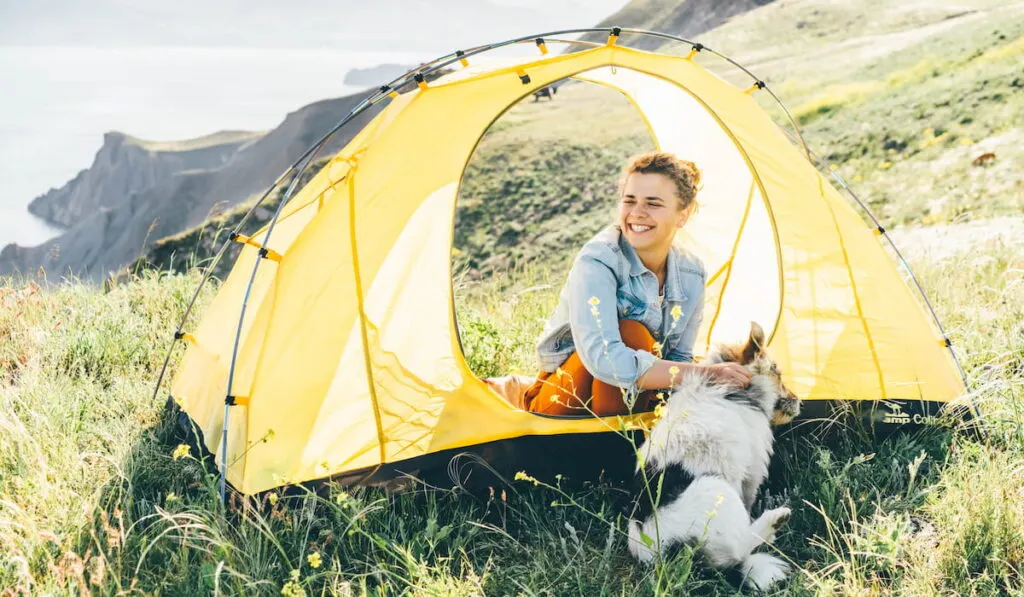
(703, 463)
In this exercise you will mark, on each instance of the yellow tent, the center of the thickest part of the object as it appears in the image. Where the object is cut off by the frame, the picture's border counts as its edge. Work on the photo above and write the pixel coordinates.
(334, 337)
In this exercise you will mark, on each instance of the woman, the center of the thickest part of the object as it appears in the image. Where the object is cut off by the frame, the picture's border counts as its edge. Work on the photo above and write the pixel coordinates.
(629, 313)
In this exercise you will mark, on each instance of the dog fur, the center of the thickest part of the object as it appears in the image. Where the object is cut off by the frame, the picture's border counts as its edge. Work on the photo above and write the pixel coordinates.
(704, 462)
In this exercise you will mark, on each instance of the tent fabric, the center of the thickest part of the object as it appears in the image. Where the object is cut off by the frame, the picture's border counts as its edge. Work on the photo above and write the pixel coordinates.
(349, 354)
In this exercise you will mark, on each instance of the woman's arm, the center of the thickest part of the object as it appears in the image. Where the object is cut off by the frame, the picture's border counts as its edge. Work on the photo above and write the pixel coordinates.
(594, 321)
(667, 374)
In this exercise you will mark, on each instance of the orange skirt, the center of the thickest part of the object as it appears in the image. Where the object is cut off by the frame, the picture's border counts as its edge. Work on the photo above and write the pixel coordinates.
(572, 390)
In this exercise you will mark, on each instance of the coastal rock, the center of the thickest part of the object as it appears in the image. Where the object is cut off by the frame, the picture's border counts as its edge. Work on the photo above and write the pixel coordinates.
(107, 236)
(125, 165)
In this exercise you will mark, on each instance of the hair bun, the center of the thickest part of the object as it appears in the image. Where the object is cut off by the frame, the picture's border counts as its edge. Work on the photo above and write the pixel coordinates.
(691, 170)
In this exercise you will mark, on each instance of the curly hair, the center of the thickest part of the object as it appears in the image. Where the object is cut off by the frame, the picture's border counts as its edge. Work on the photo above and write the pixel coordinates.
(682, 173)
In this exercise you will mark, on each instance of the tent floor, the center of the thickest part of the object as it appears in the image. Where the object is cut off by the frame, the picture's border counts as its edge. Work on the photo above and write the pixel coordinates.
(574, 459)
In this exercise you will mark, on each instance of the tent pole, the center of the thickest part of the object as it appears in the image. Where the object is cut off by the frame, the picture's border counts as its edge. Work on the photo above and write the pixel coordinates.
(423, 70)
(208, 272)
(228, 400)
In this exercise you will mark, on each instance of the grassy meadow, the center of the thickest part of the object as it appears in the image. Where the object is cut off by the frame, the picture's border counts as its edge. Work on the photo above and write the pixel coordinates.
(97, 496)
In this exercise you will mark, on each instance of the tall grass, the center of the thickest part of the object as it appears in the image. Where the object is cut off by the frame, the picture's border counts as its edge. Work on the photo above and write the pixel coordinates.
(95, 497)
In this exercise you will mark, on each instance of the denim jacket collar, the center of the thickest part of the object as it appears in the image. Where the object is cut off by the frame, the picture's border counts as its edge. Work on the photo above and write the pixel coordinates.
(673, 291)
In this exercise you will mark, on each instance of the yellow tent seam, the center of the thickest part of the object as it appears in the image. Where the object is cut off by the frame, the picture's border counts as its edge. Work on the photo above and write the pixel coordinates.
(732, 256)
(856, 294)
(631, 100)
(362, 308)
(714, 276)
(757, 179)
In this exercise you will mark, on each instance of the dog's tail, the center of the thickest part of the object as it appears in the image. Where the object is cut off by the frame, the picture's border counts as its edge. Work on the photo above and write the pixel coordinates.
(762, 570)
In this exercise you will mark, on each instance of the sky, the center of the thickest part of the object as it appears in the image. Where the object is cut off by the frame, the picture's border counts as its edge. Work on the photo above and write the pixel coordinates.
(381, 25)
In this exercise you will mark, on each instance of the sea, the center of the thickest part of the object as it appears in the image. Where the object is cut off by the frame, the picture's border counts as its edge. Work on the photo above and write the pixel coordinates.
(57, 102)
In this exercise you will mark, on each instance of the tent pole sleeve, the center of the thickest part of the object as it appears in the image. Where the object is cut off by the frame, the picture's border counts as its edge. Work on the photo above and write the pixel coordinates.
(309, 157)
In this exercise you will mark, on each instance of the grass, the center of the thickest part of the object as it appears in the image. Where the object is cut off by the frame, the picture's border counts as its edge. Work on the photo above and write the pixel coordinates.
(92, 498)
(96, 496)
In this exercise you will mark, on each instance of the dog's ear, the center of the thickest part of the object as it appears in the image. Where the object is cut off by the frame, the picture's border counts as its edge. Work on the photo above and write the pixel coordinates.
(755, 344)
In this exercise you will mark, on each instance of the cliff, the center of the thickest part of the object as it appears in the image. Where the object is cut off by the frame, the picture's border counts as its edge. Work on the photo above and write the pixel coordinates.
(113, 235)
(125, 165)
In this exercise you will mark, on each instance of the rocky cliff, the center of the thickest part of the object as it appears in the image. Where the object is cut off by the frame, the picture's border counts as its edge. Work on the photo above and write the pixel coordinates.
(108, 236)
(125, 165)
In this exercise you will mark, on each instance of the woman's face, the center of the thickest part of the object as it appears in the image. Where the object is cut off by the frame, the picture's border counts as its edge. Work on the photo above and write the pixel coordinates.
(649, 211)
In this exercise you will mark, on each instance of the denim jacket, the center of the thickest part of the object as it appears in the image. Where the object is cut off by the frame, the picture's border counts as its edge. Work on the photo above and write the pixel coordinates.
(608, 282)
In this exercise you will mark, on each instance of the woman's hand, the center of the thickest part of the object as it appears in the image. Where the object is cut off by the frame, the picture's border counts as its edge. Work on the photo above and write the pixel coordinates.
(731, 374)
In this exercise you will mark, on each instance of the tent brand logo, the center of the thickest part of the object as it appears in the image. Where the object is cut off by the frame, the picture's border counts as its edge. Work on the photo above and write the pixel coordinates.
(895, 416)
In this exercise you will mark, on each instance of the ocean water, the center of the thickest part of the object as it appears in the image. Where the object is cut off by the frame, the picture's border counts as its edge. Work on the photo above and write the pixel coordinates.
(57, 102)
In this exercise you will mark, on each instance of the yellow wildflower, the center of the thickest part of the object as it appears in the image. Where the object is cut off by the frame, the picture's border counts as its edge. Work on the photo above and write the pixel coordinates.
(885, 165)
(659, 411)
(292, 588)
(966, 141)
(676, 313)
(522, 476)
(594, 301)
(171, 497)
(273, 499)
(314, 560)
(269, 435)
(181, 451)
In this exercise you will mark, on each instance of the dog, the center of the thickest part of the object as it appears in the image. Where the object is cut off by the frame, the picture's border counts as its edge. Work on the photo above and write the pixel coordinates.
(706, 457)
(548, 92)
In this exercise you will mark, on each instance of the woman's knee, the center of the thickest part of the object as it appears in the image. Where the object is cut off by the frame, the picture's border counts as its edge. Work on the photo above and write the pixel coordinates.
(635, 335)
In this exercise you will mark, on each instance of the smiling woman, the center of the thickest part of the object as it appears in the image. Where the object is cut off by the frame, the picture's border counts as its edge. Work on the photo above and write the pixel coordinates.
(628, 316)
